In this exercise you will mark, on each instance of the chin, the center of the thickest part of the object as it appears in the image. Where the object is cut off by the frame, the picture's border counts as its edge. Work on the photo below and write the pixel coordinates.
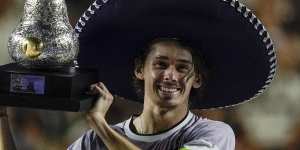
(169, 102)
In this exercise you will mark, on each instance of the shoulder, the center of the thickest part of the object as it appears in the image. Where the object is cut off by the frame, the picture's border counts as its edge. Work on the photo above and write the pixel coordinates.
(84, 142)
(204, 126)
(216, 128)
(212, 133)
(119, 127)
(91, 141)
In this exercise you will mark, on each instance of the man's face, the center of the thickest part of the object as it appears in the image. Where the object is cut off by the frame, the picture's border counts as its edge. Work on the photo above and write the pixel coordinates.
(169, 75)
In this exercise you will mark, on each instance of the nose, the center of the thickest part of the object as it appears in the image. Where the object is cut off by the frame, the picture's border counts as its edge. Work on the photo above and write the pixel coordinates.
(170, 74)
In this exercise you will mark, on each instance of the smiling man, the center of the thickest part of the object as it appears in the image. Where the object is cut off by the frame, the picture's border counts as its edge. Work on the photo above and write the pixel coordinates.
(189, 54)
(168, 72)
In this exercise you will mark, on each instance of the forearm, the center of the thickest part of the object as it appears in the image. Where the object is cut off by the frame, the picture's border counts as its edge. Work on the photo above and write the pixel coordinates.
(6, 139)
(112, 139)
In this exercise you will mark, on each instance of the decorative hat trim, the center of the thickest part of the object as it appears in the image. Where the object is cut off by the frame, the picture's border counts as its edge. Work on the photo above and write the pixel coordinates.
(235, 4)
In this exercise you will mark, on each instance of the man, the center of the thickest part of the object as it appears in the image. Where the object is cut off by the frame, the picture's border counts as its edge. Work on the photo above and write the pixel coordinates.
(171, 76)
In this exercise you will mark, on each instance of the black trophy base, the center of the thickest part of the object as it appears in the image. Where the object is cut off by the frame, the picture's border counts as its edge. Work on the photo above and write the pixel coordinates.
(58, 89)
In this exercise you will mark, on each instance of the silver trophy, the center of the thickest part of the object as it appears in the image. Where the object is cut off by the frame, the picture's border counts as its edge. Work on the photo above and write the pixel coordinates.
(44, 38)
(44, 47)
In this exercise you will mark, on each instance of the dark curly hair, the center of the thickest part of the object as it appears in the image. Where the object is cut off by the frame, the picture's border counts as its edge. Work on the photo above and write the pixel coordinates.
(200, 65)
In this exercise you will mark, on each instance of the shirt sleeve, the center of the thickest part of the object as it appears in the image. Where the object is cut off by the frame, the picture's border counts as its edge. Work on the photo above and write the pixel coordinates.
(88, 141)
(218, 136)
(199, 144)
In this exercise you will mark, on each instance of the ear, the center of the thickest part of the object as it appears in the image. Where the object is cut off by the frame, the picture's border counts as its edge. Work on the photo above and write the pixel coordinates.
(197, 81)
(138, 72)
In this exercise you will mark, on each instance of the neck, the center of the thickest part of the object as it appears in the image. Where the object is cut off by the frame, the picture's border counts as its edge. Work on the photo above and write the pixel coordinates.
(155, 118)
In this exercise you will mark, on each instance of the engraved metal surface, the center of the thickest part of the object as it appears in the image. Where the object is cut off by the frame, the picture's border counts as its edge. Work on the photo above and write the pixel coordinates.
(32, 47)
(44, 38)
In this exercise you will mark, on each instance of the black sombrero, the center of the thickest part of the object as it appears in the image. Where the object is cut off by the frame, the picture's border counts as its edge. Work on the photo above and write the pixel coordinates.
(233, 41)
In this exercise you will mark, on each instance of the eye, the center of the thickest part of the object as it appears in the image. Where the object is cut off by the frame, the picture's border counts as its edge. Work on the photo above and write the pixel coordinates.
(160, 65)
(183, 68)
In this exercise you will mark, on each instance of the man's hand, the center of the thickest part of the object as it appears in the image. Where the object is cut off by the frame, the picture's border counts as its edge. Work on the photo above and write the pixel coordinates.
(103, 102)
(96, 119)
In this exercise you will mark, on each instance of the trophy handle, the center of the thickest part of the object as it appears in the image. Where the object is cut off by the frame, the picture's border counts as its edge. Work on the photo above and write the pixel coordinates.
(6, 139)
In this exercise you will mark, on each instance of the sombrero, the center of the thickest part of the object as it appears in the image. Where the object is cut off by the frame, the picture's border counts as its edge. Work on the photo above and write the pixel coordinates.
(234, 42)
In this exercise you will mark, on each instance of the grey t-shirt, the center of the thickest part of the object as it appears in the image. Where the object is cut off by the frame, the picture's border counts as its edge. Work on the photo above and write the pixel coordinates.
(192, 133)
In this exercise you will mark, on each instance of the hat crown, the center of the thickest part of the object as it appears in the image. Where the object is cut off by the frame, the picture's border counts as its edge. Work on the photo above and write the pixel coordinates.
(233, 41)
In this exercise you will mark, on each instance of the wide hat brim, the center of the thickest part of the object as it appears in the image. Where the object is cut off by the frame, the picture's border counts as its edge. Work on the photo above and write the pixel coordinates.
(234, 42)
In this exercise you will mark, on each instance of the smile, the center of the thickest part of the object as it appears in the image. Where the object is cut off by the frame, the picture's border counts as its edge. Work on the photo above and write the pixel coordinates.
(168, 89)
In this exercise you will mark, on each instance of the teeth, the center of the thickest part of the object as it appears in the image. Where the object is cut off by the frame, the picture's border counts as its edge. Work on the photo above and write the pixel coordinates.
(164, 89)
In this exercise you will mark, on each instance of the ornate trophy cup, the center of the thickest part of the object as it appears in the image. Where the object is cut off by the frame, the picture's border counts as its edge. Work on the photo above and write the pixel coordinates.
(44, 47)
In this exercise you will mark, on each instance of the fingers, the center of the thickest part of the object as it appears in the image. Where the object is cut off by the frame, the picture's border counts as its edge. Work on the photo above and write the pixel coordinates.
(92, 90)
(101, 85)
(98, 88)
(103, 102)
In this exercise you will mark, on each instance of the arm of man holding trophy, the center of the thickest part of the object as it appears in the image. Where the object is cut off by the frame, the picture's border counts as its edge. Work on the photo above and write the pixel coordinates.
(97, 121)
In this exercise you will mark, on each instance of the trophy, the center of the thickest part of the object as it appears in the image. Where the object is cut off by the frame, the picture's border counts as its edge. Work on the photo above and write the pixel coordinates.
(44, 74)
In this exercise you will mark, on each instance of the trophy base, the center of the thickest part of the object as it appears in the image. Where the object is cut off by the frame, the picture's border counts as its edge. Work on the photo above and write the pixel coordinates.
(46, 89)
